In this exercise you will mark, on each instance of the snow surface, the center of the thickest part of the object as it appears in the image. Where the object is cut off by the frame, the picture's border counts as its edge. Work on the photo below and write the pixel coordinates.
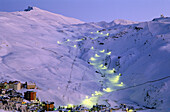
(34, 47)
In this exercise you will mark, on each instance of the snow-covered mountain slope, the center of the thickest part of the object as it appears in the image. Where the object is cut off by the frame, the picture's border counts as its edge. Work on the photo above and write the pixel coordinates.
(29, 52)
(124, 22)
(37, 17)
(78, 63)
(144, 63)
(114, 23)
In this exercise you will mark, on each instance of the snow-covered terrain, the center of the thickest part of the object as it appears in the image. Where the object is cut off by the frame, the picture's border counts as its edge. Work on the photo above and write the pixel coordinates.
(73, 62)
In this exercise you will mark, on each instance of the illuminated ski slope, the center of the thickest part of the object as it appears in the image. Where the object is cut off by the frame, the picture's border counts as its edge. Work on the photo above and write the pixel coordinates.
(73, 62)
(97, 62)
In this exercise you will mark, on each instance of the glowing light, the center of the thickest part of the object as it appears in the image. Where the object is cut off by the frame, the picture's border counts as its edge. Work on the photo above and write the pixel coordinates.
(89, 102)
(91, 32)
(111, 71)
(120, 85)
(104, 68)
(69, 105)
(101, 65)
(108, 90)
(58, 42)
(114, 79)
(92, 59)
(102, 51)
(96, 55)
(93, 64)
(92, 47)
(130, 110)
(68, 40)
(101, 33)
(109, 53)
(98, 93)
(97, 31)
(107, 34)
(75, 46)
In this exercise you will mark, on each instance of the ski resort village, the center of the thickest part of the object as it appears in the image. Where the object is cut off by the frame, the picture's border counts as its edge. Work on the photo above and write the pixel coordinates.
(49, 62)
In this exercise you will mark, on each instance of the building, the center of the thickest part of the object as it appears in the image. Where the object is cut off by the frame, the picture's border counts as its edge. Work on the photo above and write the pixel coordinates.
(30, 95)
(11, 85)
(30, 85)
(16, 85)
(5, 85)
(29, 8)
(1, 86)
(49, 106)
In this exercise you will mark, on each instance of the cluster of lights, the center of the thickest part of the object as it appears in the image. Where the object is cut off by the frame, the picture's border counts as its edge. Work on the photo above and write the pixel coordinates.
(99, 33)
(96, 61)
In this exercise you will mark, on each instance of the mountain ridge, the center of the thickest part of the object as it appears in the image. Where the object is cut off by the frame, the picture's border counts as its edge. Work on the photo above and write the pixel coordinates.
(65, 59)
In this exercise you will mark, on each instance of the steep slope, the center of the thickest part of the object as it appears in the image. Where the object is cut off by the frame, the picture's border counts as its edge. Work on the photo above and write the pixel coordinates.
(84, 63)
(140, 52)
(29, 52)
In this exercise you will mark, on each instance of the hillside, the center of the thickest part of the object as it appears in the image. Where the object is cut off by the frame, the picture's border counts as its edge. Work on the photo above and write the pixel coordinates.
(74, 62)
